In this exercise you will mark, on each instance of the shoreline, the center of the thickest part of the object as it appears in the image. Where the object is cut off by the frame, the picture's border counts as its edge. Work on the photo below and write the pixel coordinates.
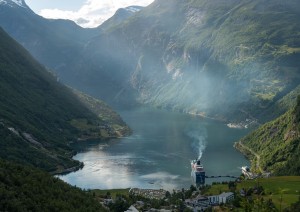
(68, 170)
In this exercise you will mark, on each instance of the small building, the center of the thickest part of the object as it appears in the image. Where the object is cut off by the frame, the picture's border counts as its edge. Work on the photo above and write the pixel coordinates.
(198, 201)
(213, 200)
(189, 202)
(132, 209)
(242, 192)
(202, 201)
(222, 198)
(226, 197)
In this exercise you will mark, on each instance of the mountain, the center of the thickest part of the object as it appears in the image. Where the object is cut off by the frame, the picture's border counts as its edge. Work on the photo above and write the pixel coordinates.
(25, 188)
(52, 42)
(230, 61)
(275, 146)
(119, 16)
(59, 44)
(194, 56)
(14, 3)
(40, 117)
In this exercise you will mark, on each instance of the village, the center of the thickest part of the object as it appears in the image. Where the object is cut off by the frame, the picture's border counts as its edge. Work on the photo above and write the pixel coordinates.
(196, 201)
(160, 200)
(260, 194)
(246, 190)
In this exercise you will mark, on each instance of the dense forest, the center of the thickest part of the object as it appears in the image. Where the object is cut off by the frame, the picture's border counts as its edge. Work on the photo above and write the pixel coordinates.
(275, 146)
(40, 117)
(23, 188)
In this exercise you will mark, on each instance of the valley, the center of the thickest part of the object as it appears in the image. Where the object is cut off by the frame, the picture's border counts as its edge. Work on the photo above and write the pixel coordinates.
(186, 60)
(130, 102)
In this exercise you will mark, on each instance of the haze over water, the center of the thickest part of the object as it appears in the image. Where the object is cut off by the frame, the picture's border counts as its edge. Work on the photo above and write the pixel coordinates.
(158, 153)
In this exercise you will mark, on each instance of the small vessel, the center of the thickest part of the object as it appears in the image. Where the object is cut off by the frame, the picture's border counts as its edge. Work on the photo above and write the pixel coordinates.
(198, 173)
(245, 170)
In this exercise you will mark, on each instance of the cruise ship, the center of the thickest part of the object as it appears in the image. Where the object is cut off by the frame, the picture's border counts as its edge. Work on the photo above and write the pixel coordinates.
(198, 173)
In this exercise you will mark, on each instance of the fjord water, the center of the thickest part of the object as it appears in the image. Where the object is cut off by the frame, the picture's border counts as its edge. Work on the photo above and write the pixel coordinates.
(158, 153)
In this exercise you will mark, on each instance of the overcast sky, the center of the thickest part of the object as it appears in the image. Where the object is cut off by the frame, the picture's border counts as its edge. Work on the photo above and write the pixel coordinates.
(87, 13)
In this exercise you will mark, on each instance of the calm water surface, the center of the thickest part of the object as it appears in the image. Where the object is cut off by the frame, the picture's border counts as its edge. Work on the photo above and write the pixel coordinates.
(158, 153)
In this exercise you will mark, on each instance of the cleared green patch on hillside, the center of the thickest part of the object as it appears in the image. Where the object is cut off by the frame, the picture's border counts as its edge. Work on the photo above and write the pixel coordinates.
(113, 193)
(111, 124)
(282, 190)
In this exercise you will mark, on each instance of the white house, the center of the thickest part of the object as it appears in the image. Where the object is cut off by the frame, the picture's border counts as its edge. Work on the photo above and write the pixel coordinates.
(226, 197)
(222, 198)
(213, 200)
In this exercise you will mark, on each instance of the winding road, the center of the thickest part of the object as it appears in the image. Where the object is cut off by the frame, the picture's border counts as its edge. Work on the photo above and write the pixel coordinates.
(253, 153)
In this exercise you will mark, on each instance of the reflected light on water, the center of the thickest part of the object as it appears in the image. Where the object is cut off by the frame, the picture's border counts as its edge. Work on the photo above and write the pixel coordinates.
(158, 153)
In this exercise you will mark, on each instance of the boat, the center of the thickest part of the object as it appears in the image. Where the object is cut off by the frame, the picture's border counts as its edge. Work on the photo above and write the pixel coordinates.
(198, 173)
(245, 170)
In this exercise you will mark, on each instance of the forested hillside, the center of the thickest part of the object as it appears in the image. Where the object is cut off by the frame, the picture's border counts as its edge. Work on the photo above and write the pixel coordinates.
(39, 117)
(52, 42)
(24, 188)
(190, 56)
(193, 56)
(275, 146)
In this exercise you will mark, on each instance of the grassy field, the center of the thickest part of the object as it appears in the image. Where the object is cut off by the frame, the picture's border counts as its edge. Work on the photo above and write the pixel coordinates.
(284, 190)
(112, 192)
(217, 189)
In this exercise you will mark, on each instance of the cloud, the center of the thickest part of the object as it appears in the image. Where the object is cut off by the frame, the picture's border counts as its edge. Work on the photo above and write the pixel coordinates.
(93, 12)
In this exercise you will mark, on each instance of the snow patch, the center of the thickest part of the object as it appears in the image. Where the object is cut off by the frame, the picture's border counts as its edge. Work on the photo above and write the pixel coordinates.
(11, 3)
(132, 9)
(18, 2)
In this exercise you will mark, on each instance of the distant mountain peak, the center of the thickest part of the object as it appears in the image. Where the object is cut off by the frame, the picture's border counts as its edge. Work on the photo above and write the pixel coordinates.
(129, 10)
(120, 15)
(12, 3)
(133, 8)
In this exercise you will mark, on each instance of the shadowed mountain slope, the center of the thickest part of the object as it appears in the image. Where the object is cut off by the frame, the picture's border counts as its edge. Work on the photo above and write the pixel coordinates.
(39, 117)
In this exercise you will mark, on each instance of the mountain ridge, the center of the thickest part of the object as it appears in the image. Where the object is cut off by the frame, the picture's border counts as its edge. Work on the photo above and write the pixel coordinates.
(120, 15)
(179, 54)
(11, 3)
(52, 42)
(189, 48)
(39, 117)
(275, 146)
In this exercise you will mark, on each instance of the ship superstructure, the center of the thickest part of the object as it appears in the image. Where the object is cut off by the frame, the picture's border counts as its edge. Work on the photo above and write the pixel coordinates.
(198, 173)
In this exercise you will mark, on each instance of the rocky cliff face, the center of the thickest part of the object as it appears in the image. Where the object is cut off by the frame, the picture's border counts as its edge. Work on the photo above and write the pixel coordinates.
(206, 57)
(229, 60)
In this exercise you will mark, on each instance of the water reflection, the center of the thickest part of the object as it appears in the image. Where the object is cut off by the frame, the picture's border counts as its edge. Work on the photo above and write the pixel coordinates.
(158, 153)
